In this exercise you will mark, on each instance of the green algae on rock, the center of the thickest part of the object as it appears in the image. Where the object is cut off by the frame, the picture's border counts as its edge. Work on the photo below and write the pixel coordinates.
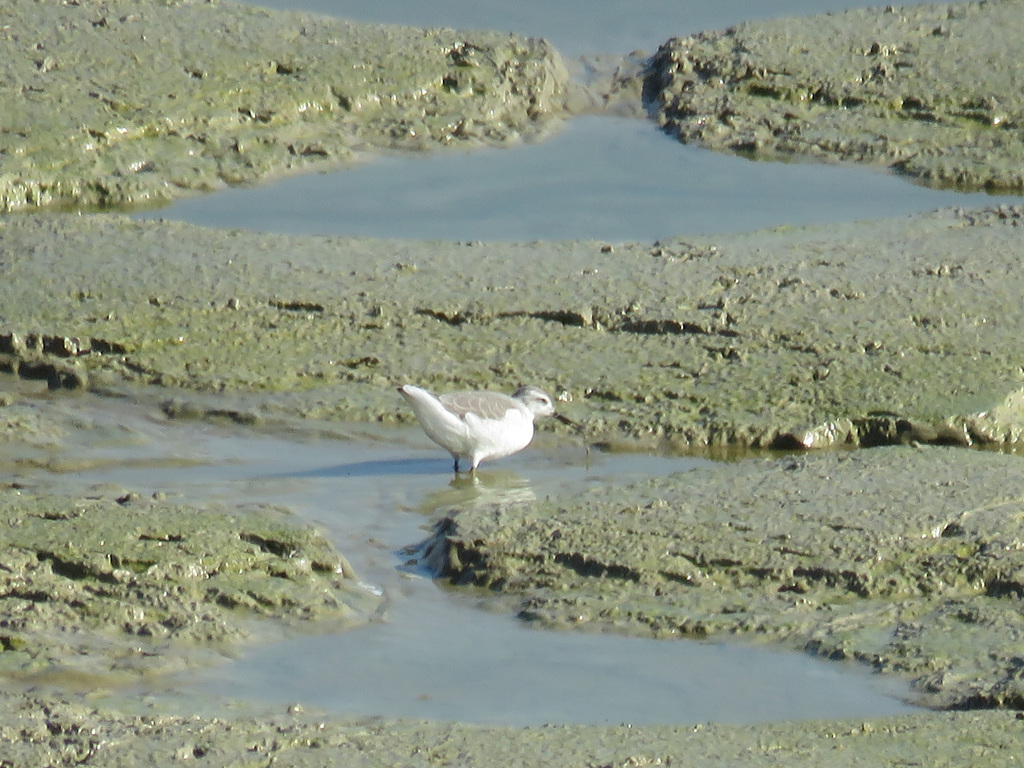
(128, 578)
(908, 559)
(934, 91)
(122, 102)
(866, 333)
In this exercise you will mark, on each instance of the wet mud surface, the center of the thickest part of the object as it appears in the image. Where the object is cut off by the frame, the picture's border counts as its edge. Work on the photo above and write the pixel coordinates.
(897, 331)
(858, 334)
(125, 103)
(111, 585)
(902, 558)
(933, 91)
(116, 103)
(99, 585)
(906, 559)
(64, 732)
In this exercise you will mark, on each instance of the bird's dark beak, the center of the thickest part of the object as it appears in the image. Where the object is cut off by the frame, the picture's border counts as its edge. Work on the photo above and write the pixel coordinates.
(567, 420)
(579, 431)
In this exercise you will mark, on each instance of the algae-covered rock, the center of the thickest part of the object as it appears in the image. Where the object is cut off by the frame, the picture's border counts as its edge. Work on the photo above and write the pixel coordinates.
(122, 102)
(933, 91)
(128, 578)
(911, 560)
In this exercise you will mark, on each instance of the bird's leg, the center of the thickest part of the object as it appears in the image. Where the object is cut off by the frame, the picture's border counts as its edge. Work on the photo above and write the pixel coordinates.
(456, 465)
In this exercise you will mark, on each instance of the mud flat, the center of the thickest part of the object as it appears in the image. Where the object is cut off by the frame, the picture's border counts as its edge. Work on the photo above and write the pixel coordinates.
(98, 585)
(117, 103)
(109, 586)
(63, 732)
(857, 334)
(933, 91)
(121, 103)
(887, 332)
(906, 559)
(903, 558)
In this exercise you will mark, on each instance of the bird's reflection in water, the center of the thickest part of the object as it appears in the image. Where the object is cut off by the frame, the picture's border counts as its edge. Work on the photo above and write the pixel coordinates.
(476, 491)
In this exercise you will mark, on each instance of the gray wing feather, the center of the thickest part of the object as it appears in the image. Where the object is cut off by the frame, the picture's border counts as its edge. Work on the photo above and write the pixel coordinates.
(486, 405)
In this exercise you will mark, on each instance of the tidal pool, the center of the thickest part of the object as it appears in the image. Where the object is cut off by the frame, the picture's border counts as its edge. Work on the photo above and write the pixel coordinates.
(431, 652)
(599, 178)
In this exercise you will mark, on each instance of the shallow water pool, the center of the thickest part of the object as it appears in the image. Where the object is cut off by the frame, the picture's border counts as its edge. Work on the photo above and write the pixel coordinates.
(434, 652)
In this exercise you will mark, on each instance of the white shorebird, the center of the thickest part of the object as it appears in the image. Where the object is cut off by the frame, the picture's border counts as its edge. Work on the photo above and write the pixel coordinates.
(479, 425)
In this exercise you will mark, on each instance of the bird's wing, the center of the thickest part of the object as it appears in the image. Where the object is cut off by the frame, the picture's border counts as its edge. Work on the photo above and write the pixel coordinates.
(486, 405)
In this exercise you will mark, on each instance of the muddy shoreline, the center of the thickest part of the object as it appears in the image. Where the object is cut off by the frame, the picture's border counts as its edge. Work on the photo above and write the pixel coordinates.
(901, 558)
(116, 103)
(929, 91)
(895, 332)
(66, 732)
(852, 334)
